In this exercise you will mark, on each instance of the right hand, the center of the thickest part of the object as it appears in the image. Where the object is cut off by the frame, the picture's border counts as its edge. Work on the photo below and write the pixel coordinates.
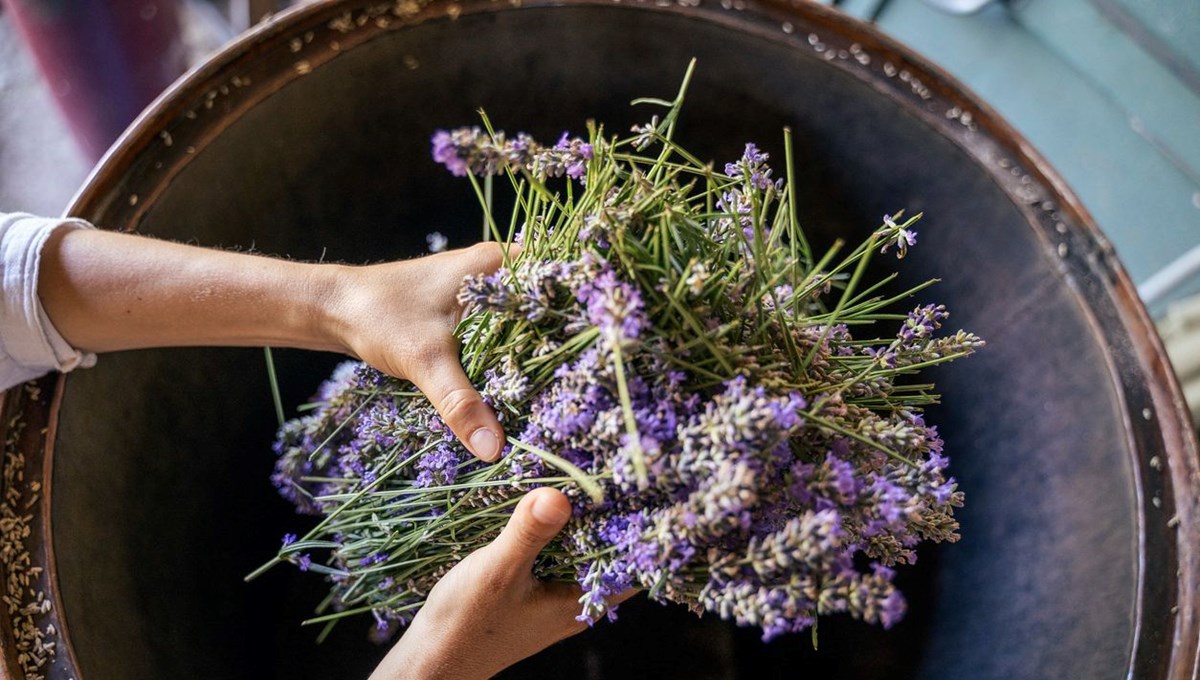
(400, 318)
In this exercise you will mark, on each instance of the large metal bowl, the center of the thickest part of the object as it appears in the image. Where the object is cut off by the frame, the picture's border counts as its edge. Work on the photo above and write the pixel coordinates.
(309, 138)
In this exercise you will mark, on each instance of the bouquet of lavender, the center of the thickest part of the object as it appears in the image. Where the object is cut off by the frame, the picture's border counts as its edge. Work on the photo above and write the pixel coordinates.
(668, 351)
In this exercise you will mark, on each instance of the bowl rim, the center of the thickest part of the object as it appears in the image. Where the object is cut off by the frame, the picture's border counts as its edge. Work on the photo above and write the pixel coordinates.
(223, 86)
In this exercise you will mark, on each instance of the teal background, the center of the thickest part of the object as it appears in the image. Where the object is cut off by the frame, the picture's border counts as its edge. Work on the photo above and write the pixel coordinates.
(1107, 90)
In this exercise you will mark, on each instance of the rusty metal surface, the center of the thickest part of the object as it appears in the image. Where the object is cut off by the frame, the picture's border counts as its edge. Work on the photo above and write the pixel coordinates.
(309, 137)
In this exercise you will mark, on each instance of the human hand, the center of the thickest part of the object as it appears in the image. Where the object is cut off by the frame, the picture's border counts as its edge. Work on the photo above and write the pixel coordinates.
(400, 318)
(108, 291)
(489, 611)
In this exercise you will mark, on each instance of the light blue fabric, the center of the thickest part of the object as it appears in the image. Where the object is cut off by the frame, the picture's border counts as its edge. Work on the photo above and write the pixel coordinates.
(30, 345)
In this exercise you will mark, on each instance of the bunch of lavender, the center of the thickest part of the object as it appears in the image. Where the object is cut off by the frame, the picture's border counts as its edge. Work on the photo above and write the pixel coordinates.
(667, 351)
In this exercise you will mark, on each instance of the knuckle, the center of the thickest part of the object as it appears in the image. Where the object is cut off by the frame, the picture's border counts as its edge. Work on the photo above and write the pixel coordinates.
(530, 537)
(457, 404)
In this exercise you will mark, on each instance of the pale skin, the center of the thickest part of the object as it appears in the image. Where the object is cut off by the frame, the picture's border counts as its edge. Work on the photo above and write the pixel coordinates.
(106, 291)
(489, 611)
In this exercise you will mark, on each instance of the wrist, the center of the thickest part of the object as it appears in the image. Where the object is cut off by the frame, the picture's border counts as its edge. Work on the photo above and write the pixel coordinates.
(321, 313)
(425, 653)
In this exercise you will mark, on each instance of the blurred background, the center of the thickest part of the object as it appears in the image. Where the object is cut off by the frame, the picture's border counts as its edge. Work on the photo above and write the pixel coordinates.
(1107, 90)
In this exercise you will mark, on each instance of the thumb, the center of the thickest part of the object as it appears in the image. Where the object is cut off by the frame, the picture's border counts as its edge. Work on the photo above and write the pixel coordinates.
(538, 518)
(443, 381)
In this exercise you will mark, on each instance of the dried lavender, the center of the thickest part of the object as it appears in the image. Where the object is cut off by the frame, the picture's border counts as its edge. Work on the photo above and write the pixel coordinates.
(30, 611)
(667, 350)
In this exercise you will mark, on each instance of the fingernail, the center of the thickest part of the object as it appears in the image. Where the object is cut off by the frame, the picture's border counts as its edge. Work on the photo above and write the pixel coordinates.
(548, 512)
(485, 444)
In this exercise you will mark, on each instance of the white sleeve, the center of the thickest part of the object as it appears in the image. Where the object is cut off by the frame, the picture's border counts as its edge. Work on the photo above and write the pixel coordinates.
(29, 344)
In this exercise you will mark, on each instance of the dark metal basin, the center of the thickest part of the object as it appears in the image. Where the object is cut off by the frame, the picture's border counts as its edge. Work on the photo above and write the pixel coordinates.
(309, 139)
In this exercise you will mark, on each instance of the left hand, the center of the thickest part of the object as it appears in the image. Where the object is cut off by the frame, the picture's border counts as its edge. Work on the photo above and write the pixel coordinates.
(489, 611)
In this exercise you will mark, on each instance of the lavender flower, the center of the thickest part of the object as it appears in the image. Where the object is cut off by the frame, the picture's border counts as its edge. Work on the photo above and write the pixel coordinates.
(469, 150)
(575, 155)
(892, 234)
(922, 322)
(645, 134)
(438, 467)
(675, 366)
(505, 384)
(736, 204)
(614, 306)
(752, 168)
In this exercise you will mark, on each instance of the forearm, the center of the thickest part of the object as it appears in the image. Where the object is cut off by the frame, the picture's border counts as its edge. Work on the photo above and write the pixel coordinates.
(417, 658)
(106, 291)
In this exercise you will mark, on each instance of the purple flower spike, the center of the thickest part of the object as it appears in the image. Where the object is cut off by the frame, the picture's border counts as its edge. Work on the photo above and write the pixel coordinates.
(921, 323)
(752, 168)
(664, 352)
(614, 306)
(893, 234)
(446, 152)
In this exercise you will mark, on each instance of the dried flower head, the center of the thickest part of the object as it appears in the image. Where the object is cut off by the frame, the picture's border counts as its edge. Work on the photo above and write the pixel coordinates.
(668, 351)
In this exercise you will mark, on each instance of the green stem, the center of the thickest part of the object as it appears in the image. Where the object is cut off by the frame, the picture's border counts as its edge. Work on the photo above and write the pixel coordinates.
(586, 483)
(274, 380)
(637, 456)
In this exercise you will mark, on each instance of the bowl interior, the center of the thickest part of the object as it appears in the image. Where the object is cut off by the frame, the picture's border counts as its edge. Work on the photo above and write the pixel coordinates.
(161, 494)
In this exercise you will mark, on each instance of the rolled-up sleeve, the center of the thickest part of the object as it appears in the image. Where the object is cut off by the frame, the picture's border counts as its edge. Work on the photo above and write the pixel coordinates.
(29, 344)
